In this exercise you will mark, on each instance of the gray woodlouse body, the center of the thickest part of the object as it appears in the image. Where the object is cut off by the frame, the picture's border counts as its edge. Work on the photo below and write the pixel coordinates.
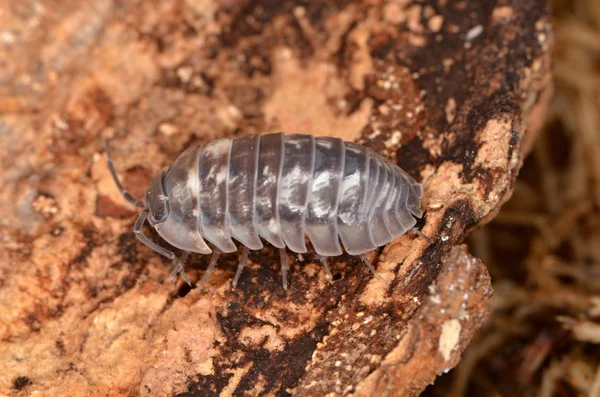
(278, 187)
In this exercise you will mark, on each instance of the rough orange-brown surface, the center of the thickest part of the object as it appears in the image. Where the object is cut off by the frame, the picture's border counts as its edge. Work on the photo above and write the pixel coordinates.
(452, 90)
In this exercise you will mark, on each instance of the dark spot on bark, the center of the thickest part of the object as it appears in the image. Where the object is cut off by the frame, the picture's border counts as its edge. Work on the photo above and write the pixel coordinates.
(184, 290)
(57, 231)
(102, 103)
(57, 311)
(189, 31)
(487, 178)
(294, 37)
(280, 370)
(457, 218)
(20, 382)
(344, 53)
(46, 194)
(236, 320)
(207, 386)
(513, 142)
(172, 80)
(128, 244)
(187, 353)
(33, 322)
(256, 60)
(421, 221)
(89, 236)
(353, 100)
(60, 346)
(381, 45)
(128, 250)
(412, 156)
(160, 44)
(252, 17)
(130, 280)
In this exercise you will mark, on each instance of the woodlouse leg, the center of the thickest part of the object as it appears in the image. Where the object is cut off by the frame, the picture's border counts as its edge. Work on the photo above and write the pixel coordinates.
(325, 262)
(419, 233)
(113, 172)
(211, 267)
(241, 265)
(179, 264)
(137, 229)
(367, 262)
(284, 269)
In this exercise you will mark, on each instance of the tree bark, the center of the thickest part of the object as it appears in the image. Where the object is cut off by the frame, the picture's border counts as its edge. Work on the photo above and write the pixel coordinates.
(453, 91)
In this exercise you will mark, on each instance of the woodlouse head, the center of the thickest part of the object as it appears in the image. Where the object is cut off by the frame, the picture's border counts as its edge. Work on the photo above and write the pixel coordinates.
(157, 199)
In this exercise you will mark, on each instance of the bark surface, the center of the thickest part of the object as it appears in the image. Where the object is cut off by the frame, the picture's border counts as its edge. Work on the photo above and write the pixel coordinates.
(453, 91)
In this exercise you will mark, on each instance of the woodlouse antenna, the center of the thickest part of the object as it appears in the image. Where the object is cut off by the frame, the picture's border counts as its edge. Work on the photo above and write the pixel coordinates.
(125, 193)
(137, 229)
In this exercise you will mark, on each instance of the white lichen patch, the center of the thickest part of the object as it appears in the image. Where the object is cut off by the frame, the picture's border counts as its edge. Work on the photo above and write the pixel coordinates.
(474, 32)
(450, 110)
(185, 74)
(168, 129)
(433, 143)
(394, 139)
(449, 337)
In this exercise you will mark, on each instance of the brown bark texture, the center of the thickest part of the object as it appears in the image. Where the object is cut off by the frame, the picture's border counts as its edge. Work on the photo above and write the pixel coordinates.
(453, 91)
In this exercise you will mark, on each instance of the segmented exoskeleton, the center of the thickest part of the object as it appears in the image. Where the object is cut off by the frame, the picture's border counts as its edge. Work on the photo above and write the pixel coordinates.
(280, 188)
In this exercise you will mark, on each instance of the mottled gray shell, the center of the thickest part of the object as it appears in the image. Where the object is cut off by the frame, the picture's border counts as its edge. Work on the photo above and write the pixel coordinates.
(283, 187)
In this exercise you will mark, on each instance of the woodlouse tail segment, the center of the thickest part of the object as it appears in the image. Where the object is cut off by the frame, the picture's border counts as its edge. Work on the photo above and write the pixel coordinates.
(284, 268)
(241, 266)
(113, 172)
(179, 264)
(211, 267)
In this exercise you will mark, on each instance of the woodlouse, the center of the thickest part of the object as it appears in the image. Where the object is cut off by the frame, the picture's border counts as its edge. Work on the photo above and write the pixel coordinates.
(278, 187)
